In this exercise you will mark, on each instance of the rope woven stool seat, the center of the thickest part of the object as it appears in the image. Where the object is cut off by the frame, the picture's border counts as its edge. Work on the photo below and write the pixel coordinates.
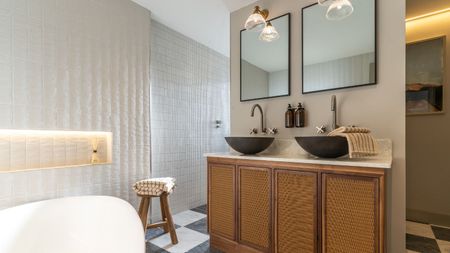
(154, 186)
(160, 188)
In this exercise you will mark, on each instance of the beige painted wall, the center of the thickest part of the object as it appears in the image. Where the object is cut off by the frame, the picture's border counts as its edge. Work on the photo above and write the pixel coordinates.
(379, 107)
(427, 138)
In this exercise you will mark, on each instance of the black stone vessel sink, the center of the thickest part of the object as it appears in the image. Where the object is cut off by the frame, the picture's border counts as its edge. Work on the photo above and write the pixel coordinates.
(249, 145)
(324, 146)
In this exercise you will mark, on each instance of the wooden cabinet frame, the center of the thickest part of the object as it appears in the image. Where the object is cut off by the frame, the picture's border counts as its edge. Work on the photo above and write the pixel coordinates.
(322, 171)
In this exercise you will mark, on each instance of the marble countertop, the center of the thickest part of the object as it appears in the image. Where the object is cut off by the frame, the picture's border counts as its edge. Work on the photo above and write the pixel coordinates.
(285, 152)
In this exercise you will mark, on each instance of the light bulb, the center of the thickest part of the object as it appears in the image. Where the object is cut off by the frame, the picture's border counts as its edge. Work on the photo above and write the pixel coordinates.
(339, 10)
(269, 33)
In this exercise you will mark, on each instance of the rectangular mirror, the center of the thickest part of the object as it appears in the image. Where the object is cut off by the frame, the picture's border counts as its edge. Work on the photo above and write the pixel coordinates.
(265, 66)
(339, 54)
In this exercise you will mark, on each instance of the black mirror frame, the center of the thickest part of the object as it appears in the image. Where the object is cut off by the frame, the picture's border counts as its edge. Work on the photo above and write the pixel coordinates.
(376, 53)
(289, 62)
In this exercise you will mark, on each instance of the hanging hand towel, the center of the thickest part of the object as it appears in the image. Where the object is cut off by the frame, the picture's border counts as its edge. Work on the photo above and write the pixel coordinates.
(360, 142)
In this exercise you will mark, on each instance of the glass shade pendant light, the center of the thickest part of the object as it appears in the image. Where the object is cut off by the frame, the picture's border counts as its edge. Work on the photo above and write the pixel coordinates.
(339, 9)
(269, 33)
(257, 21)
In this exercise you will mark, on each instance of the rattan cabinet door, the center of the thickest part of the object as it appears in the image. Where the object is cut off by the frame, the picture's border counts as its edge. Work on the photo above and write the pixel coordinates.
(295, 212)
(221, 198)
(350, 215)
(254, 213)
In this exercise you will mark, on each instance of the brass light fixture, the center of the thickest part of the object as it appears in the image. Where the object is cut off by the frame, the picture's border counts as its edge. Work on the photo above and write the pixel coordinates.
(257, 20)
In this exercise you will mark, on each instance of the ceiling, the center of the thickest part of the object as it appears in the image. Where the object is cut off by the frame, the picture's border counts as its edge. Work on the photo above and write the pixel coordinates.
(419, 7)
(206, 21)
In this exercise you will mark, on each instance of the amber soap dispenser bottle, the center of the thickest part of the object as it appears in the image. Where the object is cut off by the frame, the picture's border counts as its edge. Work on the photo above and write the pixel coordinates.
(299, 116)
(289, 117)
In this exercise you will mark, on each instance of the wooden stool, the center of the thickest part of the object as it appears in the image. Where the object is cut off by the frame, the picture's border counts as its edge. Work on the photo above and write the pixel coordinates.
(156, 188)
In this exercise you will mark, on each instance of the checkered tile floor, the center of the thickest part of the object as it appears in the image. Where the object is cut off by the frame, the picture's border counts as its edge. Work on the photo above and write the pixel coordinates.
(191, 231)
(425, 238)
(193, 236)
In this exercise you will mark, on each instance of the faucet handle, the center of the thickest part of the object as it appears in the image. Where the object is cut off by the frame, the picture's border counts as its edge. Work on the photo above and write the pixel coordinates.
(272, 131)
(253, 131)
(322, 129)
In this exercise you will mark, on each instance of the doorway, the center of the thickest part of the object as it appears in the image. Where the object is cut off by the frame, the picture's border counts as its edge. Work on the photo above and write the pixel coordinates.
(427, 126)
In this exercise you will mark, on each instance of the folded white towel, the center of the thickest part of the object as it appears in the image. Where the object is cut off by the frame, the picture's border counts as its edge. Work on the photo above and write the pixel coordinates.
(360, 142)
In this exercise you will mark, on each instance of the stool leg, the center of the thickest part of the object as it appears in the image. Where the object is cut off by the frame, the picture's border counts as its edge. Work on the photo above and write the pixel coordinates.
(163, 215)
(143, 211)
(173, 233)
(141, 206)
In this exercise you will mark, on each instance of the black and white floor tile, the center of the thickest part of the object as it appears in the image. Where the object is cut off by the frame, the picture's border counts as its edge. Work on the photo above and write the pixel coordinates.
(426, 238)
(191, 231)
(193, 236)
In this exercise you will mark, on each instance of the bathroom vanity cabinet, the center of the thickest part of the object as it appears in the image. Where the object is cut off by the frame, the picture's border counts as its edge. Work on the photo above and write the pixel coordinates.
(287, 207)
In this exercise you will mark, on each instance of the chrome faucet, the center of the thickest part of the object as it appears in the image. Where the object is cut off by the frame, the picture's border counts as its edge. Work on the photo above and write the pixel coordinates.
(334, 124)
(263, 129)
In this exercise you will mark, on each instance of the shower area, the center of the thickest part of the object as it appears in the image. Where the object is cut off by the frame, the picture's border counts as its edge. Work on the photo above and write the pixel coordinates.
(189, 112)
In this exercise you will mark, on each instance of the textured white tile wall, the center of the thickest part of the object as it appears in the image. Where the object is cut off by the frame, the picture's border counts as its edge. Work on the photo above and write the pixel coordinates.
(189, 91)
(75, 65)
(28, 150)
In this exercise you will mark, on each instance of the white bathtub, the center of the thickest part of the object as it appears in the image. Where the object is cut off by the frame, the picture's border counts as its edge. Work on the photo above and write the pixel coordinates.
(93, 224)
